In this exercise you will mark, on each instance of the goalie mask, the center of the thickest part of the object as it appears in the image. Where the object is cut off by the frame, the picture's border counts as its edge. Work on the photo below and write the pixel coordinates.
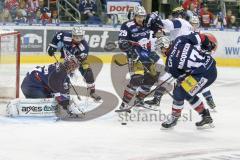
(77, 35)
(163, 44)
(70, 64)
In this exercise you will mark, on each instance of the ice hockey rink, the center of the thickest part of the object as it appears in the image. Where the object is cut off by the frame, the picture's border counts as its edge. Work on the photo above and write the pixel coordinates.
(105, 138)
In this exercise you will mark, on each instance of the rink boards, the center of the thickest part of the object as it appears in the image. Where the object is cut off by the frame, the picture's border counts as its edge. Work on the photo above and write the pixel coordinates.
(107, 58)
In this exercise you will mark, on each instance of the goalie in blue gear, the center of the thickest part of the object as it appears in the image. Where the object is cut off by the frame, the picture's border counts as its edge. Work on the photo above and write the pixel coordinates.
(194, 70)
(52, 81)
(69, 43)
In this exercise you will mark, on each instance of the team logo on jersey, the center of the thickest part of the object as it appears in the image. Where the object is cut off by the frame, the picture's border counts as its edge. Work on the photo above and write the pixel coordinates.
(134, 30)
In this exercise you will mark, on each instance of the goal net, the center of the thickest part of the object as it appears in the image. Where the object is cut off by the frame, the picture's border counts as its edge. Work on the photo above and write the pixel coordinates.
(9, 64)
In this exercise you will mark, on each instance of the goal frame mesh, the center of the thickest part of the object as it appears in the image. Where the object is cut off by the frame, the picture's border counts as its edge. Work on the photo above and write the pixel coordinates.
(18, 48)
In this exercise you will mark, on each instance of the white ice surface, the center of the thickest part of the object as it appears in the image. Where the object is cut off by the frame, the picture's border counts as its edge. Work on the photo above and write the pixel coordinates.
(106, 139)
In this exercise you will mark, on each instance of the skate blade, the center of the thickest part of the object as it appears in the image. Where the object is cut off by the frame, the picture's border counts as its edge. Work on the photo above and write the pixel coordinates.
(166, 129)
(123, 110)
(146, 108)
(140, 109)
(206, 126)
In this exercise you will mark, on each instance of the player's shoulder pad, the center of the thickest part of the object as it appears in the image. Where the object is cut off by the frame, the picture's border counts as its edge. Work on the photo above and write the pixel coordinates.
(177, 23)
(128, 24)
(63, 36)
(83, 46)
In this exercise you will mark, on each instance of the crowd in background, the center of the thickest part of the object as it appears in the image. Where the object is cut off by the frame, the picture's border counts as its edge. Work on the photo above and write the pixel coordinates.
(26, 11)
(207, 17)
(94, 12)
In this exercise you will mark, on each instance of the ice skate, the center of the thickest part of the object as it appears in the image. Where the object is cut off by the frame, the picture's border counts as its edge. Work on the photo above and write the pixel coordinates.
(155, 101)
(171, 122)
(206, 121)
(211, 103)
(95, 97)
(73, 110)
(124, 107)
(141, 106)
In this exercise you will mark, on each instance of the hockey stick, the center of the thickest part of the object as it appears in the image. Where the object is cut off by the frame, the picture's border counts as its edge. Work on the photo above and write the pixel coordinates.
(128, 109)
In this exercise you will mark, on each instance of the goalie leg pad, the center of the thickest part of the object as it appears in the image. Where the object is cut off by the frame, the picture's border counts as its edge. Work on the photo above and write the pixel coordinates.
(32, 107)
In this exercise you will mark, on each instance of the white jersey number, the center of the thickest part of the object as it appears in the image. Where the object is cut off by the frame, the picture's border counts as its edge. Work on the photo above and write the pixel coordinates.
(193, 60)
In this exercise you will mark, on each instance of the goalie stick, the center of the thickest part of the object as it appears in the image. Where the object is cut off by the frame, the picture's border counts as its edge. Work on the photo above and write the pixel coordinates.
(128, 109)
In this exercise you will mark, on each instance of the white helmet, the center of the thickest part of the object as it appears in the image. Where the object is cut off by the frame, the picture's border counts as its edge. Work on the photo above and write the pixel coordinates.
(194, 20)
(140, 11)
(162, 42)
(77, 34)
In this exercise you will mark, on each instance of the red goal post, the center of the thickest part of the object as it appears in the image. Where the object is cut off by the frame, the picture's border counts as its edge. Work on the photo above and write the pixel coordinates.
(9, 64)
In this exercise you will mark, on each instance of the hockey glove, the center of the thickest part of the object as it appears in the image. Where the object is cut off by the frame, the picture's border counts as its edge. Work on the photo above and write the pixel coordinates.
(133, 55)
(82, 57)
(124, 45)
(154, 22)
(51, 49)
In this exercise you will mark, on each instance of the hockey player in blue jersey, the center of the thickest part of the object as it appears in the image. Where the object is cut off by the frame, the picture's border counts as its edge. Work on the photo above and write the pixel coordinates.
(52, 81)
(134, 40)
(194, 70)
(177, 27)
(68, 40)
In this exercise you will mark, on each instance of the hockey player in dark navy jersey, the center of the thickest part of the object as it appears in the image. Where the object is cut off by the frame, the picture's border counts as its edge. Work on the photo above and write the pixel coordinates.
(66, 41)
(52, 81)
(194, 71)
(134, 40)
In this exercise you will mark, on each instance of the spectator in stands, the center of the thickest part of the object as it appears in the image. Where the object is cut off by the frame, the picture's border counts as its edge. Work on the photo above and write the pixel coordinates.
(192, 10)
(12, 6)
(32, 5)
(20, 18)
(45, 15)
(206, 17)
(6, 16)
(220, 21)
(196, 5)
(87, 8)
(231, 19)
(232, 22)
(22, 9)
(1, 9)
(54, 16)
(38, 15)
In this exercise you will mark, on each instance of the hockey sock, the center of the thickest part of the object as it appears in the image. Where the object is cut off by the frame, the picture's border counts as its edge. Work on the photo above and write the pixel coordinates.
(177, 108)
(197, 104)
